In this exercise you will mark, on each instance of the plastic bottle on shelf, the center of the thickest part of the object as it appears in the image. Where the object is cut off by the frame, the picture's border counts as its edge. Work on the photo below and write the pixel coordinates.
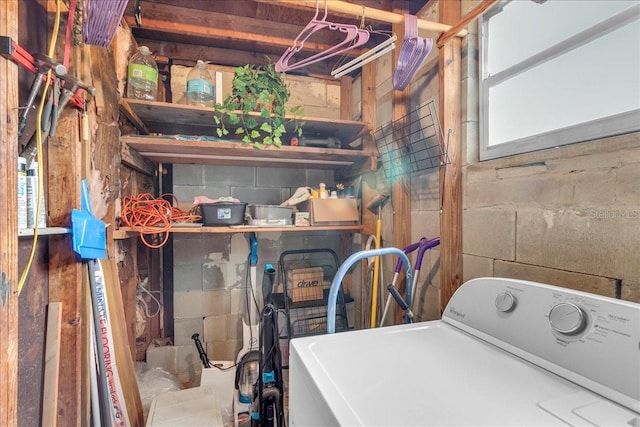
(142, 76)
(323, 191)
(200, 88)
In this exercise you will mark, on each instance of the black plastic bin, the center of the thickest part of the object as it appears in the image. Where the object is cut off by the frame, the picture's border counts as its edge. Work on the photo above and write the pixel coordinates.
(222, 213)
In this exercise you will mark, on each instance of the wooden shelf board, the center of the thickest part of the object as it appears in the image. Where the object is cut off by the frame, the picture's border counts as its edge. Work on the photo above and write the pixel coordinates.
(169, 150)
(172, 119)
(128, 232)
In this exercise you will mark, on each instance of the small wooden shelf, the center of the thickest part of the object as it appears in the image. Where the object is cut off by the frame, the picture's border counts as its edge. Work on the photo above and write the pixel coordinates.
(168, 150)
(192, 140)
(128, 232)
(172, 119)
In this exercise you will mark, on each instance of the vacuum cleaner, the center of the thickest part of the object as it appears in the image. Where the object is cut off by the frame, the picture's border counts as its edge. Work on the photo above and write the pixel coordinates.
(268, 405)
(259, 372)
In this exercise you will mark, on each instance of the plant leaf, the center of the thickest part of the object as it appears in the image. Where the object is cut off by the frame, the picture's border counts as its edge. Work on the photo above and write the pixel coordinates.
(234, 119)
(239, 131)
(266, 127)
(255, 134)
(251, 123)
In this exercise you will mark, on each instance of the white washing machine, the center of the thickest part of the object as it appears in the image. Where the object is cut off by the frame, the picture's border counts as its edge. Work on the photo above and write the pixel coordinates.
(505, 353)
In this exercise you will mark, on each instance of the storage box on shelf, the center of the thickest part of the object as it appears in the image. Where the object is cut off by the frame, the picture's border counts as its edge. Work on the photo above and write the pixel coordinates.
(331, 211)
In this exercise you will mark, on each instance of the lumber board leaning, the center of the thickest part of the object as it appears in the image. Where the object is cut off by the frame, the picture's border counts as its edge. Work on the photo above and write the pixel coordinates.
(52, 365)
(123, 353)
(66, 275)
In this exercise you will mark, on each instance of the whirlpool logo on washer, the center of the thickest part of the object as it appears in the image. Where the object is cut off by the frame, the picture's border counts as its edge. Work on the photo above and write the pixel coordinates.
(618, 318)
(456, 313)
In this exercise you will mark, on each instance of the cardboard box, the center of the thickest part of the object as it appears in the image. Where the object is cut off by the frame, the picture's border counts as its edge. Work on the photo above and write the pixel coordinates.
(305, 284)
(332, 211)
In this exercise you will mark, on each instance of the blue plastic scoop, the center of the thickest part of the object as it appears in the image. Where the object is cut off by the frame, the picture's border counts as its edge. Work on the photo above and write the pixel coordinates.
(89, 234)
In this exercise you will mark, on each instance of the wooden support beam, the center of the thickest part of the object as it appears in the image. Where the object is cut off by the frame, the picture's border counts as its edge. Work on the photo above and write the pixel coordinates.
(468, 18)
(8, 223)
(346, 97)
(196, 23)
(368, 84)
(368, 143)
(66, 275)
(450, 174)
(401, 188)
(370, 13)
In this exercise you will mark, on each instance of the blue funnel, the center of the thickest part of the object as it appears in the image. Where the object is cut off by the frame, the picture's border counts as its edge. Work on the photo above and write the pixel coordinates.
(88, 232)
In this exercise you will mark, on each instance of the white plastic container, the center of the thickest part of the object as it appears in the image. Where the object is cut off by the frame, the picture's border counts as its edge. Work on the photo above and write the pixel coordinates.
(22, 193)
(35, 217)
(200, 88)
(142, 76)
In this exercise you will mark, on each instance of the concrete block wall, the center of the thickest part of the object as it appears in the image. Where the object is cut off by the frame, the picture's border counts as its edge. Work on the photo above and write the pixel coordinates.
(211, 270)
(568, 216)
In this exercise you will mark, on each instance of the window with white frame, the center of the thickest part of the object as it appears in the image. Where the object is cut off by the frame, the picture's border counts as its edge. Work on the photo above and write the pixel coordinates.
(557, 72)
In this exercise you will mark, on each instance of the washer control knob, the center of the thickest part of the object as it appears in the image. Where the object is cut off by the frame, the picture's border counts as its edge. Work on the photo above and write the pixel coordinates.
(567, 319)
(505, 302)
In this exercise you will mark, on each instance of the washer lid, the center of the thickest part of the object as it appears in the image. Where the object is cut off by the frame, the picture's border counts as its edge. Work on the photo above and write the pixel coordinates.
(428, 373)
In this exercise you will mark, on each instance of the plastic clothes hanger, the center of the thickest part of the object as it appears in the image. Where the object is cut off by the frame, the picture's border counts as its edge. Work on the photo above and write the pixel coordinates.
(374, 53)
(354, 37)
(413, 52)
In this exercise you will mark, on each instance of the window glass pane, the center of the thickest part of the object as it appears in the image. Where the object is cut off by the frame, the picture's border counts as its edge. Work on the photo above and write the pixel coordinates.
(596, 80)
(525, 28)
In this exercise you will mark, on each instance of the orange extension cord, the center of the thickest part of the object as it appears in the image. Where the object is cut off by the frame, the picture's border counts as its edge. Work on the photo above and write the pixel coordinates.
(153, 215)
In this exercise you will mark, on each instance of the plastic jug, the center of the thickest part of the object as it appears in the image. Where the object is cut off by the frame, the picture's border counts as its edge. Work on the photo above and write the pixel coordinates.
(142, 76)
(200, 87)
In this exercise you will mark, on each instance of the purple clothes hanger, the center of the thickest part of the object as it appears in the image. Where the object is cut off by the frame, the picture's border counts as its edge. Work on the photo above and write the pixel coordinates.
(413, 52)
(354, 37)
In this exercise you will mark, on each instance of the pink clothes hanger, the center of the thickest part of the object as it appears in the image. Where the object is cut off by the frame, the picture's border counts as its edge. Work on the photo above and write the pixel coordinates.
(354, 37)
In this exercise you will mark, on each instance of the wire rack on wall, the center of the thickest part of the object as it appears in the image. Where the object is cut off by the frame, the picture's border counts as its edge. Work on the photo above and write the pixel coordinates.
(412, 144)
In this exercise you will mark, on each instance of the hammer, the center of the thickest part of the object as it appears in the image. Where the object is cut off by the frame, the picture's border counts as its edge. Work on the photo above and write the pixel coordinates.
(43, 63)
(71, 85)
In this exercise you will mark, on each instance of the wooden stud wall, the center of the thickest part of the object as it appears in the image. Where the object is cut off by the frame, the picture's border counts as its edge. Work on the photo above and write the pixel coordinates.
(401, 189)
(8, 240)
(451, 174)
(8, 223)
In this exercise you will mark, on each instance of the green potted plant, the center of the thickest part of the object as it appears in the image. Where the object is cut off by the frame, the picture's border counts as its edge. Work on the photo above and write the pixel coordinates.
(257, 89)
